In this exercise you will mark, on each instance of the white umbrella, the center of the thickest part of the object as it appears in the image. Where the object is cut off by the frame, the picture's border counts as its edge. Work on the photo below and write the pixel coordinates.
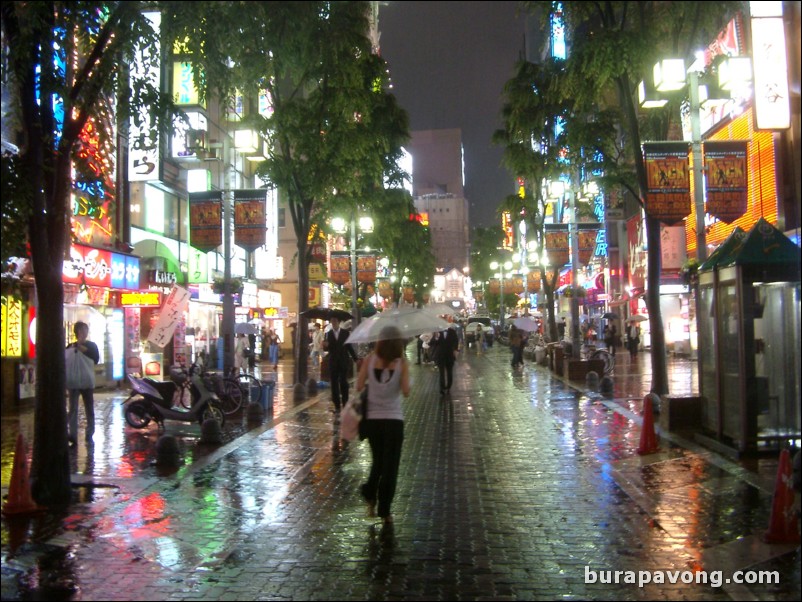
(409, 322)
(637, 318)
(527, 324)
(440, 309)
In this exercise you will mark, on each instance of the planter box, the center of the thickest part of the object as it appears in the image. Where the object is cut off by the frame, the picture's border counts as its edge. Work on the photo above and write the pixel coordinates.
(578, 369)
(680, 413)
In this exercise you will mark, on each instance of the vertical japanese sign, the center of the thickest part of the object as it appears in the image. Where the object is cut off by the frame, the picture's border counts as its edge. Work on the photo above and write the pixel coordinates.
(12, 327)
(144, 159)
(171, 315)
(587, 244)
(250, 219)
(206, 220)
(769, 55)
(668, 193)
(340, 271)
(726, 179)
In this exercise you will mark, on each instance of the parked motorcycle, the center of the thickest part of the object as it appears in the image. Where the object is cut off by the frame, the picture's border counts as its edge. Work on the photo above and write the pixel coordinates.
(152, 400)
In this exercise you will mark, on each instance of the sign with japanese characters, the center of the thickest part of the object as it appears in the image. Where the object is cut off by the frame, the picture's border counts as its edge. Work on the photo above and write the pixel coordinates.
(144, 158)
(726, 179)
(12, 326)
(170, 316)
(668, 195)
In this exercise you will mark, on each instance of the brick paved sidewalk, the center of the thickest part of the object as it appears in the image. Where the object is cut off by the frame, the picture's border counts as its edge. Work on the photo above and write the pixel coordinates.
(509, 489)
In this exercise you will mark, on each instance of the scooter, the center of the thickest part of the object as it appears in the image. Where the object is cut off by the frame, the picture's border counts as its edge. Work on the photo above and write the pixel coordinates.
(152, 400)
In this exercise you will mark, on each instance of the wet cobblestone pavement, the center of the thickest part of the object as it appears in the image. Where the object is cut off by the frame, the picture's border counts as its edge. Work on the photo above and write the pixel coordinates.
(517, 486)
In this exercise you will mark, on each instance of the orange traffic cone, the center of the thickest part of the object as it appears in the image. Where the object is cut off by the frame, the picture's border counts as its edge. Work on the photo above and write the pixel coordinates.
(648, 438)
(783, 524)
(19, 499)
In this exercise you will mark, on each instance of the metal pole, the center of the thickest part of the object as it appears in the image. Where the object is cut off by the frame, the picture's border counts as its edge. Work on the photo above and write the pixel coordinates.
(696, 148)
(354, 308)
(228, 299)
(501, 317)
(574, 277)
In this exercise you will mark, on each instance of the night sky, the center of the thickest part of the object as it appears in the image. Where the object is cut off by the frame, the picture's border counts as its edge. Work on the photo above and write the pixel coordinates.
(449, 62)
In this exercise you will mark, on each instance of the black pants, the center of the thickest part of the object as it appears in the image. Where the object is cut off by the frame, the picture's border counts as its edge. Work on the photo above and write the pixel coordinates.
(386, 438)
(339, 385)
(446, 375)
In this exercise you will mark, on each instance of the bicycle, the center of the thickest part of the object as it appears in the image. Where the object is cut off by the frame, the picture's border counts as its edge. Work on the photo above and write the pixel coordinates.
(590, 352)
(247, 383)
(230, 391)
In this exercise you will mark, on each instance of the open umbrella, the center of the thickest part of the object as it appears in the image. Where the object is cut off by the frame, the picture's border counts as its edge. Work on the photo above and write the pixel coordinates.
(246, 328)
(440, 309)
(326, 313)
(409, 322)
(637, 318)
(610, 316)
(527, 324)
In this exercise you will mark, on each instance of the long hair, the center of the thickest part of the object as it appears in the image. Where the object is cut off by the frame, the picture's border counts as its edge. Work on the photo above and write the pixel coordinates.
(390, 345)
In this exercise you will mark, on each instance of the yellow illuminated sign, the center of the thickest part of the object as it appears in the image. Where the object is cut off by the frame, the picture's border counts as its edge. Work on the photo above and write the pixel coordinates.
(144, 299)
(12, 327)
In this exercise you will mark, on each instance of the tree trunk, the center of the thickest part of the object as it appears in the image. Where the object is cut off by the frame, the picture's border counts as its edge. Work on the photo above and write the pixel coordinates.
(50, 467)
(654, 256)
(300, 372)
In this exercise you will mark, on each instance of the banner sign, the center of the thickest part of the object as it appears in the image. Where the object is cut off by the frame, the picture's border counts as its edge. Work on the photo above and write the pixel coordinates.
(556, 243)
(340, 270)
(366, 268)
(668, 195)
(533, 281)
(726, 179)
(170, 316)
(587, 244)
(206, 220)
(250, 218)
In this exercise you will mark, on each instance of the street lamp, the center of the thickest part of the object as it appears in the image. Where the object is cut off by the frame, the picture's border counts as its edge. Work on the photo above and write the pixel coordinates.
(670, 75)
(504, 271)
(340, 226)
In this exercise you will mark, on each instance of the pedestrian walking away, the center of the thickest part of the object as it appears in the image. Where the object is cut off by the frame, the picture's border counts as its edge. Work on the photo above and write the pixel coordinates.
(516, 342)
(445, 354)
(316, 346)
(241, 353)
(340, 354)
(385, 372)
(275, 341)
(80, 358)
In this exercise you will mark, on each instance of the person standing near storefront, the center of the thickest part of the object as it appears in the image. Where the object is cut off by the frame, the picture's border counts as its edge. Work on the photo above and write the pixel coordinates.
(80, 359)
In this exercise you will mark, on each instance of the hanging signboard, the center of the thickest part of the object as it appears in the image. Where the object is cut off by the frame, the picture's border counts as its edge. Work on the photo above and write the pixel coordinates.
(726, 179)
(340, 271)
(170, 316)
(556, 243)
(668, 195)
(366, 268)
(206, 220)
(587, 244)
(250, 221)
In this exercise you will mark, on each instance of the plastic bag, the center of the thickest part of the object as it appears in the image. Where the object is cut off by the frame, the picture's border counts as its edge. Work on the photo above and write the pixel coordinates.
(350, 417)
(79, 369)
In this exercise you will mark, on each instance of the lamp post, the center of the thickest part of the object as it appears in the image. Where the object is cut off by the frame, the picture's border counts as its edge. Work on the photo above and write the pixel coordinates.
(504, 268)
(670, 75)
(365, 225)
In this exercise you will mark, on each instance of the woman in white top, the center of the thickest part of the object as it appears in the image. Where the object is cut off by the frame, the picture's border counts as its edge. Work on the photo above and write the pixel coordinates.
(386, 373)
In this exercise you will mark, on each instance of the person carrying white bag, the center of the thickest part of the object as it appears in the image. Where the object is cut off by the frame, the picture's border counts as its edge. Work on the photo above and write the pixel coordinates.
(80, 358)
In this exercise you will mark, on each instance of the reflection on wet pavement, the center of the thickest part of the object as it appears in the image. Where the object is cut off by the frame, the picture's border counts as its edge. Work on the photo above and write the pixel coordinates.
(509, 488)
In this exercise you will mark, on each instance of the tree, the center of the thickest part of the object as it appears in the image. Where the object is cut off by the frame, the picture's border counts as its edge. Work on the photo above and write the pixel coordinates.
(70, 55)
(613, 47)
(335, 132)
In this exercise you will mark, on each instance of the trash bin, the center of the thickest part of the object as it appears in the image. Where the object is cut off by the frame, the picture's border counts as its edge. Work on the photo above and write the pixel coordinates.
(267, 389)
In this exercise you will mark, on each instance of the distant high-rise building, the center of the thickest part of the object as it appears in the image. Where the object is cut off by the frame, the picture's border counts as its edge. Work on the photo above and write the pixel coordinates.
(437, 189)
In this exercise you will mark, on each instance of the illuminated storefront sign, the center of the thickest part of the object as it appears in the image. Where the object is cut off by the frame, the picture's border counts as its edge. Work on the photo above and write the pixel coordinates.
(93, 188)
(98, 267)
(772, 99)
(12, 326)
(141, 299)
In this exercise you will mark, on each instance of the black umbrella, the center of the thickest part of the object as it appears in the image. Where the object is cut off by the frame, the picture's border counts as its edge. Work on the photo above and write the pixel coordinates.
(610, 316)
(326, 313)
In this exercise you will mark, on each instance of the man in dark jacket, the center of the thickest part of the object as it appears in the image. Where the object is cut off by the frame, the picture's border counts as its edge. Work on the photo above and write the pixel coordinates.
(445, 353)
(340, 354)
